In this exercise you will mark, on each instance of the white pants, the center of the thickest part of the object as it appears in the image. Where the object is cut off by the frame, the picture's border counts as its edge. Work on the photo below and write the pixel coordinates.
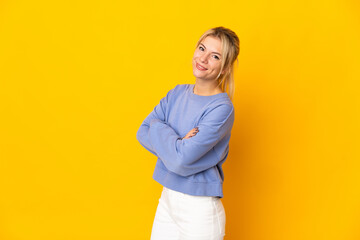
(180, 216)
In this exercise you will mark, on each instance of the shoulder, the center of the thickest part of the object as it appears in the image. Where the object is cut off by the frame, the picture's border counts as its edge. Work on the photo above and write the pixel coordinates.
(182, 87)
(220, 111)
(223, 108)
(223, 104)
(179, 88)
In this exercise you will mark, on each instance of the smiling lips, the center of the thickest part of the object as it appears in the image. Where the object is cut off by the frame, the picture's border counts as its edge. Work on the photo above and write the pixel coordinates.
(201, 68)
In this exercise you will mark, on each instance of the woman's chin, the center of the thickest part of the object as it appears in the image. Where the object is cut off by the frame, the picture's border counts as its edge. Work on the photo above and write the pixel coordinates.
(199, 77)
(198, 74)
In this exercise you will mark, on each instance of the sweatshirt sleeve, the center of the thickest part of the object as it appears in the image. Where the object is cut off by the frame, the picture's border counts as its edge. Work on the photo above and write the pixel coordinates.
(159, 112)
(192, 155)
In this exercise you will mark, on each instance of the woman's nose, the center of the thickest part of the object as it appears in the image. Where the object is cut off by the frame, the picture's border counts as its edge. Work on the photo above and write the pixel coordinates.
(203, 58)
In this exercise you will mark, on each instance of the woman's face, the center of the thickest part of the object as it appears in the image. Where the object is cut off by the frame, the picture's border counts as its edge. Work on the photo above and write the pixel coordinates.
(207, 59)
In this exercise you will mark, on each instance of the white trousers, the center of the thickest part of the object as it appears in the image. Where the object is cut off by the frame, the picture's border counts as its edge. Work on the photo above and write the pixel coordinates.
(180, 216)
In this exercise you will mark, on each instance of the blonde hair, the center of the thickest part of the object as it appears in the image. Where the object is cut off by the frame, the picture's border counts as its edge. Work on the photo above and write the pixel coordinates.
(230, 51)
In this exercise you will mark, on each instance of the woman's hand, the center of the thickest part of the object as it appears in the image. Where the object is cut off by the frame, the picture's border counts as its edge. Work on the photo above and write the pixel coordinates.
(191, 133)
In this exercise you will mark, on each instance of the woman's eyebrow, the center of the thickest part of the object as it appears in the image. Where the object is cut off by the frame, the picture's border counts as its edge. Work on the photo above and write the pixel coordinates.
(213, 52)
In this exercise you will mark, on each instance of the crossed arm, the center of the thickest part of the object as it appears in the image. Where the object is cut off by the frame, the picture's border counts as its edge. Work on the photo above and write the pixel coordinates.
(146, 144)
(192, 153)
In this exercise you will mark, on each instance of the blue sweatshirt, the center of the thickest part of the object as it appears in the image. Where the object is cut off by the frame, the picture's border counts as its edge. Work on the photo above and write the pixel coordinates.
(193, 165)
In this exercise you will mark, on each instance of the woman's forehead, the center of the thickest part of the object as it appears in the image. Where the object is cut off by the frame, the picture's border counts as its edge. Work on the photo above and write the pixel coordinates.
(212, 43)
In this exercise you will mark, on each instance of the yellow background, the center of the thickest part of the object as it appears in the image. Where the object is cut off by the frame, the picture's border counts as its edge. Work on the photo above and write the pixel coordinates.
(77, 78)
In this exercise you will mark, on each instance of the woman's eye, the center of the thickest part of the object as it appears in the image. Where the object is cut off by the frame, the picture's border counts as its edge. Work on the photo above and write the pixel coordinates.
(216, 57)
(201, 48)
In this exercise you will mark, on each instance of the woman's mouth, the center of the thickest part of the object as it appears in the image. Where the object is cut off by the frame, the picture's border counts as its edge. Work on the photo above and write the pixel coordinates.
(201, 68)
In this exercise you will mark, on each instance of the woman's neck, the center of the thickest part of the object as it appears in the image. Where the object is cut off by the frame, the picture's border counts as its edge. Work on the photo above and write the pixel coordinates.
(205, 88)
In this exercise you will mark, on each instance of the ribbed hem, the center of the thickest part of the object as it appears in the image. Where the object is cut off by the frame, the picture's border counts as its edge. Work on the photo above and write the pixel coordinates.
(181, 184)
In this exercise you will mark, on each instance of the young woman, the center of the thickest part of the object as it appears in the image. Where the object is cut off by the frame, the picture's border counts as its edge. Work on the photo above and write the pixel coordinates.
(189, 132)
